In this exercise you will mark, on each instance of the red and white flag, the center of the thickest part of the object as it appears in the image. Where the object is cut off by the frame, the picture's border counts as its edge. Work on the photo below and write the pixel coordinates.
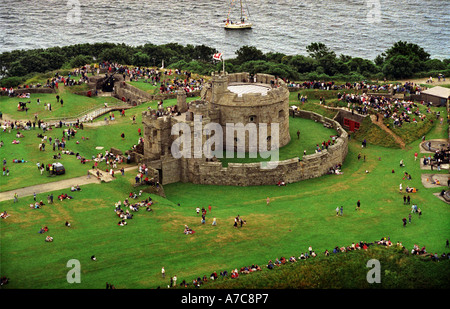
(217, 56)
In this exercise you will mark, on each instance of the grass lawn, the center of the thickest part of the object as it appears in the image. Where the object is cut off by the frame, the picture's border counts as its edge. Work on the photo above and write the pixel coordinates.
(410, 131)
(74, 105)
(311, 134)
(106, 136)
(147, 87)
(299, 215)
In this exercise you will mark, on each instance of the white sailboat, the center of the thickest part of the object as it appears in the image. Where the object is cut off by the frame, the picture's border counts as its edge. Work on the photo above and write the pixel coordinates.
(241, 24)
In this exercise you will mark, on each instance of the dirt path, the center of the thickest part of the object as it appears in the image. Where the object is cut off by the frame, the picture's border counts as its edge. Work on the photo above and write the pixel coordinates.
(53, 186)
(47, 187)
(380, 123)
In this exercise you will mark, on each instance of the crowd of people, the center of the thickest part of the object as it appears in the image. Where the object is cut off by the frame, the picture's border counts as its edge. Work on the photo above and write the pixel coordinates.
(355, 86)
(309, 253)
(124, 210)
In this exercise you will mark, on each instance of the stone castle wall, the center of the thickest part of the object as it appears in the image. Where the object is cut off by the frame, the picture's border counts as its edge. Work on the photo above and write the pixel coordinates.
(289, 171)
(199, 171)
(219, 105)
(251, 108)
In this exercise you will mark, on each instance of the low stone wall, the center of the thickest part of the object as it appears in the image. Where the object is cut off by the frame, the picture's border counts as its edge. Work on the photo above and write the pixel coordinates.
(251, 174)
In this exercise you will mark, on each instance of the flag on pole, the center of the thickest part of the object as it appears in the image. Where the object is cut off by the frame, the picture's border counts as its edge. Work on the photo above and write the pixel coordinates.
(217, 56)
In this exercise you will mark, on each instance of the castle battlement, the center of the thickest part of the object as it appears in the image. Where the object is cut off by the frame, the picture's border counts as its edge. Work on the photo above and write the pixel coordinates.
(236, 98)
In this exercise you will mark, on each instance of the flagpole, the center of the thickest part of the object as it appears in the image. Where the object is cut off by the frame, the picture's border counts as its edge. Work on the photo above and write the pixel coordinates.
(223, 64)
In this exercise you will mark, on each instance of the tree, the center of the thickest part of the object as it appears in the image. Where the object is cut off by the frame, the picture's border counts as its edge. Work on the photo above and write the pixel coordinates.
(141, 59)
(398, 67)
(268, 67)
(410, 58)
(326, 59)
(120, 54)
(303, 64)
(435, 65)
(248, 53)
(319, 50)
(275, 57)
(204, 53)
(80, 60)
(362, 66)
(409, 50)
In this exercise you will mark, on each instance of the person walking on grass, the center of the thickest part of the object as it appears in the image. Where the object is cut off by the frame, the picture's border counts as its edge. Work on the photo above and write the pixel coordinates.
(358, 205)
(342, 210)
(16, 197)
(268, 201)
(337, 211)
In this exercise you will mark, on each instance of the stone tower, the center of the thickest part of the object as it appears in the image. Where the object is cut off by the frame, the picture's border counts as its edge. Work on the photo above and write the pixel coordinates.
(181, 101)
(219, 86)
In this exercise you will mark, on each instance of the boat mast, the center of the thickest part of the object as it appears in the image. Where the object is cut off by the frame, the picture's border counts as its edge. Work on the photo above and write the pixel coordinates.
(241, 12)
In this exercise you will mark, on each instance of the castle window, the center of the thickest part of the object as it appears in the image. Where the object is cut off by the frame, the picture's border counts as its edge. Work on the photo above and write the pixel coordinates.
(252, 118)
(281, 114)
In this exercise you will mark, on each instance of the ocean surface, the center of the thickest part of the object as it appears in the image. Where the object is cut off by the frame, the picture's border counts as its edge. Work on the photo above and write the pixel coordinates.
(359, 28)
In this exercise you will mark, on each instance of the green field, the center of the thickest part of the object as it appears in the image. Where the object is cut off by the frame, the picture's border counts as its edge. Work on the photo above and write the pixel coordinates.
(73, 105)
(299, 215)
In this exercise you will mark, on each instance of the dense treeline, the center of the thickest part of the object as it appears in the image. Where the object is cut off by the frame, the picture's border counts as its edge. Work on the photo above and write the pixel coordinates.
(402, 60)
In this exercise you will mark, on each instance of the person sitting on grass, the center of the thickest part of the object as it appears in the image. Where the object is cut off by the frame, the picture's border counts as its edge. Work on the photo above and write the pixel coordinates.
(234, 274)
(4, 215)
(213, 276)
(411, 190)
(244, 270)
(188, 230)
(64, 196)
(48, 239)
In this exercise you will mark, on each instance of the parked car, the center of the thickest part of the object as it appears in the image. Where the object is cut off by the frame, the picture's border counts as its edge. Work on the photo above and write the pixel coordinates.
(58, 168)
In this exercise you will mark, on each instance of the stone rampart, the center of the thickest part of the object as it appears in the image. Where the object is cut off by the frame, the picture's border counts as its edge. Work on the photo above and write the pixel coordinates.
(252, 174)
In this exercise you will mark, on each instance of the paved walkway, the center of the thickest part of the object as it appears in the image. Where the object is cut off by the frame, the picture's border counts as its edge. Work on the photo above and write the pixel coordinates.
(47, 187)
(429, 180)
(55, 185)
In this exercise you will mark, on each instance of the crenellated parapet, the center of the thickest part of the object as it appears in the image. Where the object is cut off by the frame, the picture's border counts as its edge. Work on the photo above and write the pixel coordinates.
(257, 106)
